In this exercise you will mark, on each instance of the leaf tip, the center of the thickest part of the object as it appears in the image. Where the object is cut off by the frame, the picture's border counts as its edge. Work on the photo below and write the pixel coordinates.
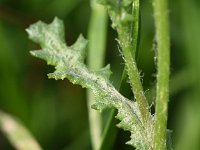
(32, 53)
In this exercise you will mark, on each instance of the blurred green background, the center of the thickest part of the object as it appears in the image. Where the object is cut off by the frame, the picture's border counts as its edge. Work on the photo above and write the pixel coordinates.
(55, 111)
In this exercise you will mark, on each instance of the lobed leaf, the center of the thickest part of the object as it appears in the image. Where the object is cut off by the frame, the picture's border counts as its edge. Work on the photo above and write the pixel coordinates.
(69, 63)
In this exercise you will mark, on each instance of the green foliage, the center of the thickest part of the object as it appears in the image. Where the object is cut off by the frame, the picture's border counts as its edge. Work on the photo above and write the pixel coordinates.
(69, 63)
(119, 11)
(36, 101)
(125, 19)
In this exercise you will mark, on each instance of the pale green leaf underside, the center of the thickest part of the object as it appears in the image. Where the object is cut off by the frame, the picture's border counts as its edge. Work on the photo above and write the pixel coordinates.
(69, 63)
(17, 134)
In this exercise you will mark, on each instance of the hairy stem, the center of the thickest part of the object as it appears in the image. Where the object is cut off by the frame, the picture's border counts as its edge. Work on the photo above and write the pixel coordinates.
(134, 44)
(128, 37)
(135, 79)
(163, 63)
(96, 50)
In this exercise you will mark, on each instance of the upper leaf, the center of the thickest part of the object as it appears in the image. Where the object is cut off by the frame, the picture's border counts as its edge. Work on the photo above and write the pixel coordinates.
(69, 63)
(119, 11)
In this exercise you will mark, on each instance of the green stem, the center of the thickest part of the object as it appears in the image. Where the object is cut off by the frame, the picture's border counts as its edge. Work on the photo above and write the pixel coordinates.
(134, 76)
(135, 26)
(128, 37)
(96, 50)
(163, 64)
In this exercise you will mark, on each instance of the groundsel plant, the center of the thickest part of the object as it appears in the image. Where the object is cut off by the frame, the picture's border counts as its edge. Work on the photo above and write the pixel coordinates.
(148, 131)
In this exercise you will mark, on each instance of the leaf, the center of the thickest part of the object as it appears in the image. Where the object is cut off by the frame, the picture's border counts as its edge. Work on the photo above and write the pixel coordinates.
(69, 63)
(17, 134)
(119, 11)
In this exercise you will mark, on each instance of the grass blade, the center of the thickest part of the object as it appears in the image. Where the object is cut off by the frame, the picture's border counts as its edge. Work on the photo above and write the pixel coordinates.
(96, 54)
(17, 134)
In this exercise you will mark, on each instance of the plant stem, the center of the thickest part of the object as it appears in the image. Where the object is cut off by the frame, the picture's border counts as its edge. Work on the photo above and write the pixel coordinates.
(96, 50)
(128, 37)
(162, 92)
(135, 26)
(134, 77)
